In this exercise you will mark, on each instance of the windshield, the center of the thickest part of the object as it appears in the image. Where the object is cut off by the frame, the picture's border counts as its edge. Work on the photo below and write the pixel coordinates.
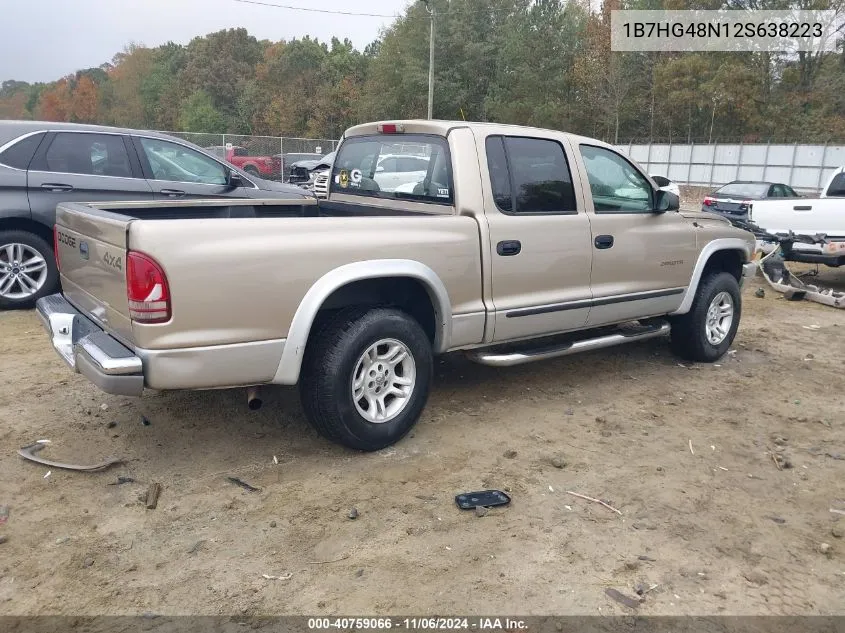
(409, 167)
(744, 190)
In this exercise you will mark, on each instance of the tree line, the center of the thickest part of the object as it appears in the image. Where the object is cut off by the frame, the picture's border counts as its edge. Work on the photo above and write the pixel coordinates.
(545, 63)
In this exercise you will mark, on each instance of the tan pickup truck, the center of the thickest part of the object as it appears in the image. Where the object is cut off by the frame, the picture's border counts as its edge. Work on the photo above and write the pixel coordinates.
(511, 244)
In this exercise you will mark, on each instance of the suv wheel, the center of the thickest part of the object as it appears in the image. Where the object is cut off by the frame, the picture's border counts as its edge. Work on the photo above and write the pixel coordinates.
(366, 379)
(707, 331)
(27, 269)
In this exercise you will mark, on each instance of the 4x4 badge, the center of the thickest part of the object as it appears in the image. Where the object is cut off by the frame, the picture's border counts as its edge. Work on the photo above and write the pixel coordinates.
(83, 250)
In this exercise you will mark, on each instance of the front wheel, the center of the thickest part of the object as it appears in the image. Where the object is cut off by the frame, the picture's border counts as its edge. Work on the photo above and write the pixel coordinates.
(707, 331)
(27, 269)
(251, 170)
(366, 378)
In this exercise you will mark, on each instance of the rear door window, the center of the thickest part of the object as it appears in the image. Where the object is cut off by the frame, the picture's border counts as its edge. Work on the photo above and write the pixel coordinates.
(500, 179)
(87, 154)
(529, 175)
(414, 167)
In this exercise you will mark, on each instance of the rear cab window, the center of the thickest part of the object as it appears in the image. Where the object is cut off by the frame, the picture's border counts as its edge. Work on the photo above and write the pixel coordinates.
(414, 167)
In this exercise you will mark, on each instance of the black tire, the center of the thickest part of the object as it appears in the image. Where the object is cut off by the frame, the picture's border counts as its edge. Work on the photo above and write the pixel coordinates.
(51, 281)
(251, 170)
(325, 385)
(689, 335)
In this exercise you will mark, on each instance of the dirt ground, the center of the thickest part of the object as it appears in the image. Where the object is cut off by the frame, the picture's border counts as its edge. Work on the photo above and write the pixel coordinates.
(684, 453)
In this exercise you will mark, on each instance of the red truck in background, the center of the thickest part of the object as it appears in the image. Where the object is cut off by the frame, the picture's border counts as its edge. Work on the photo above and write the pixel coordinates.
(262, 166)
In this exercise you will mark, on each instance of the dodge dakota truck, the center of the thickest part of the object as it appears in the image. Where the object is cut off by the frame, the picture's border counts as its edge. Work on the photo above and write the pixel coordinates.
(515, 245)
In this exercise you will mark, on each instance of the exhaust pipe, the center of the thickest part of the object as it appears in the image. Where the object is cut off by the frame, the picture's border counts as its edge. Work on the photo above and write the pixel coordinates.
(253, 399)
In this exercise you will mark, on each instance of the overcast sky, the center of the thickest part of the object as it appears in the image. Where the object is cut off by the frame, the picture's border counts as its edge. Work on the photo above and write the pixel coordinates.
(42, 40)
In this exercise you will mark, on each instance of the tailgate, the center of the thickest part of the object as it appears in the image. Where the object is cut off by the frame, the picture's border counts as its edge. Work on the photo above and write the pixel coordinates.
(92, 254)
(804, 216)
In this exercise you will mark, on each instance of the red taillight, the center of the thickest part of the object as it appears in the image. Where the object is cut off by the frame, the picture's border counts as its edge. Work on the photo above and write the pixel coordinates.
(708, 201)
(56, 246)
(146, 289)
(390, 128)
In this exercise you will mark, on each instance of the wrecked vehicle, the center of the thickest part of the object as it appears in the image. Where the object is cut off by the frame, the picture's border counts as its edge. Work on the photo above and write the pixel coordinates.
(514, 245)
(775, 271)
(822, 216)
(304, 172)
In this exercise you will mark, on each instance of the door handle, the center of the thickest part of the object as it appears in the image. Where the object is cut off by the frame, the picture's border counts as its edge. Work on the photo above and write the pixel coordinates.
(603, 241)
(508, 247)
(56, 186)
(173, 193)
(803, 207)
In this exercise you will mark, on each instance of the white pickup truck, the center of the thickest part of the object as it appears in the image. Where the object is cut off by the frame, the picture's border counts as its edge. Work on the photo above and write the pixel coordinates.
(808, 216)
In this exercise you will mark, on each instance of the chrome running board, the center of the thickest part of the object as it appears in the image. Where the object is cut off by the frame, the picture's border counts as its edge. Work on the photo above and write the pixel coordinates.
(495, 357)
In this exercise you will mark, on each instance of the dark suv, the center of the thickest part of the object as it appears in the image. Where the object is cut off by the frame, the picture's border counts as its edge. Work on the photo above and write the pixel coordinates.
(42, 164)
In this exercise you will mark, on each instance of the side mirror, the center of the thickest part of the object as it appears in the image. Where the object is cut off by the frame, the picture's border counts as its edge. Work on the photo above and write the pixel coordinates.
(666, 201)
(379, 169)
(235, 180)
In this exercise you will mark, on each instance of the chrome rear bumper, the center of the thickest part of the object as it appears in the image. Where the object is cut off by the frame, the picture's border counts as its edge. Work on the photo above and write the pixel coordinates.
(88, 350)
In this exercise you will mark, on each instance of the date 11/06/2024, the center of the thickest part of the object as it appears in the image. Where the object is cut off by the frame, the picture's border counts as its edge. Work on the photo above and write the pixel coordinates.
(438, 623)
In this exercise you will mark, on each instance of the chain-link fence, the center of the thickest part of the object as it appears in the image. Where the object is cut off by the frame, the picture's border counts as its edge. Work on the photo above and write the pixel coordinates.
(264, 156)
(804, 167)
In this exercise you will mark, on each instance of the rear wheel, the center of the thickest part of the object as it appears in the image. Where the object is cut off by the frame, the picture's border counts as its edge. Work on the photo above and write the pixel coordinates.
(27, 269)
(251, 170)
(707, 331)
(366, 378)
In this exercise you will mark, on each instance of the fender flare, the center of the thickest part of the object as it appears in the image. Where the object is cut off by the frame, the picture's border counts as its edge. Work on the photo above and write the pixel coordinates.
(720, 244)
(300, 328)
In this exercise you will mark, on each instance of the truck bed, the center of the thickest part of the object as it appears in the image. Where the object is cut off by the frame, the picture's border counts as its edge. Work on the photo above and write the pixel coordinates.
(238, 270)
(229, 208)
